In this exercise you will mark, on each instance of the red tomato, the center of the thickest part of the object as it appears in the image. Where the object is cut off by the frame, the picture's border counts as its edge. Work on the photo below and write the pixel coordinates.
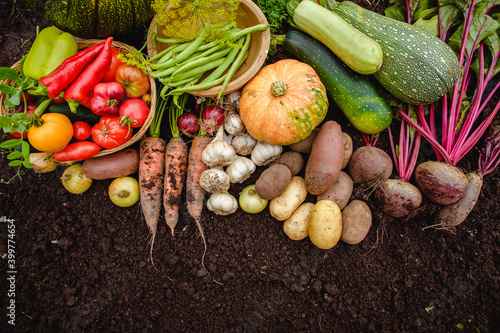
(77, 151)
(115, 63)
(134, 112)
(30, 110)
(107, 98)
(109, 133)
(81, 130)
(133, 80)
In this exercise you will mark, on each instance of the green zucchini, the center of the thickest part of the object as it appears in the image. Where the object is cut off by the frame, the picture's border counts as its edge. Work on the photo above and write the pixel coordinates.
(418, 68)
(82, 113)
(356, 95)
(360, 52)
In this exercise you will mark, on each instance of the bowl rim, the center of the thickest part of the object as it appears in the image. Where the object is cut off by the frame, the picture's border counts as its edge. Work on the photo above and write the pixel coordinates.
(253, 69)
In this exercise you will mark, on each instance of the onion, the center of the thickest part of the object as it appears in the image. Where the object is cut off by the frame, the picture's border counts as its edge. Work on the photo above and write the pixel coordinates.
(212, 117)
(124, 191)
(188, 124)
(75, 180)
(250, 201)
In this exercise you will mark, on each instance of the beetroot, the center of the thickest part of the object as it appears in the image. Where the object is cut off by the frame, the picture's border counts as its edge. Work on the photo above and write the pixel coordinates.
(440, 182)
(398, 198)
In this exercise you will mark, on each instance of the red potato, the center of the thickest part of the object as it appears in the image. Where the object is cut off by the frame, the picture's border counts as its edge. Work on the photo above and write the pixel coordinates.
(452, 215)
(305, 145)
(325, 161)
(340, 192)
(120, 164)
(398, 198)
(441, 183)
(370, 165)
(291, 159)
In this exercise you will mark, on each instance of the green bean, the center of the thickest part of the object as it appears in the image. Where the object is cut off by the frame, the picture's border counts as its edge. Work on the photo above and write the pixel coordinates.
(229, 59)
(168, 56)
(200, 69)
(237, 63)
(169, 40)
(192, 79)
(163, 72)
(200, 86)
(201, 61)
(192, 48)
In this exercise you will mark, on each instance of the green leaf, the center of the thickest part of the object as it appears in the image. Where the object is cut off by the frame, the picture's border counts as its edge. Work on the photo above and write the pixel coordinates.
(27, 164)
(431, 25)
(10, 144)
(15, 163)
(25, 148)
(396, 12)
(15, 155)
(8, 74)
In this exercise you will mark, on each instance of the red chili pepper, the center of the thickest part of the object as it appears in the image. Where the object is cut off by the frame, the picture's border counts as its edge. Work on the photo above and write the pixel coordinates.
(80, 91)
(77, 151)
(54, 83)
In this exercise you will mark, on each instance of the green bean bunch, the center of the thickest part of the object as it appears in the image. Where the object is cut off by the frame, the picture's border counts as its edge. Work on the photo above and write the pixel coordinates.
(181, 66)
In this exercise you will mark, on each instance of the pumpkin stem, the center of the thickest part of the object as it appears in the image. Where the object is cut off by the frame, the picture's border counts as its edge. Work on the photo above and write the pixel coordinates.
(278, 88)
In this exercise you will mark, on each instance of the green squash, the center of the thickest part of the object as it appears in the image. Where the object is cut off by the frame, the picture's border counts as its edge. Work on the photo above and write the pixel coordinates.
(96, 18)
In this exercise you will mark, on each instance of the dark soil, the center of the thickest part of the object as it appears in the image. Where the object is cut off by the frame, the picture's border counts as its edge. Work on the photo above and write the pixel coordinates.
(82, 264)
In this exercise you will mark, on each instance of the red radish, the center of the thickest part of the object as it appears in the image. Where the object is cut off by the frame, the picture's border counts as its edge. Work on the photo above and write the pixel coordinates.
(188, 124)
(212, 117)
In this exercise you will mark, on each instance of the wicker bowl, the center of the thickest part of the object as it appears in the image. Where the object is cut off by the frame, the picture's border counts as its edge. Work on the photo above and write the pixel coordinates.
(247, 15)
(140, 132)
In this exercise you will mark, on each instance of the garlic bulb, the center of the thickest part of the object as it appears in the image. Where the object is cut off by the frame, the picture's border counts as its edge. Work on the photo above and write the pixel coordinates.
(243, 144)
(240, 170)
(222, 203)
(264, 153)
(218, 153)
(231, 101)
(215, 180)
(233, 123)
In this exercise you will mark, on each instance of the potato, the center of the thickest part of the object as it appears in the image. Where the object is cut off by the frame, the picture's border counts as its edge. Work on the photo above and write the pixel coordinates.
(356, 222)
(325, 161)
(305, 145)
(293, 160)
(120, 164)
(325, 224)
(348, 149)
(340, 192)
(273, 181)
(283, 206)
(295, 227)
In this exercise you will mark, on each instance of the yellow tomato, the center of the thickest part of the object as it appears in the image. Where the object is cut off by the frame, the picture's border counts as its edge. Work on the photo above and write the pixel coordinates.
(53, 134)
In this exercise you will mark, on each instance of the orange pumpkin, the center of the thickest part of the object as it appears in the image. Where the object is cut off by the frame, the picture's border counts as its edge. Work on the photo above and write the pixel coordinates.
(283, 102)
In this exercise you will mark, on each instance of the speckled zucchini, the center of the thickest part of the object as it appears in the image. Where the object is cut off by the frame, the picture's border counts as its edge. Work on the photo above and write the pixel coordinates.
(355, 94)
(360, 52)
(418, 67)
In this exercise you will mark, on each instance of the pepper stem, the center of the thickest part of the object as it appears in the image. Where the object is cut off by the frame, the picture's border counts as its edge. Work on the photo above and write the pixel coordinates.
(278, 88)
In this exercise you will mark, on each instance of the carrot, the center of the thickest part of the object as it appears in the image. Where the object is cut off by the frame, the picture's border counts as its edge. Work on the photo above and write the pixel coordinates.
(195, 194)
(151, 169)
(176, 155)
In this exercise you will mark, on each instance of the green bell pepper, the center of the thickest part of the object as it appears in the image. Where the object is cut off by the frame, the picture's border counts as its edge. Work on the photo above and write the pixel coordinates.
(50, 48)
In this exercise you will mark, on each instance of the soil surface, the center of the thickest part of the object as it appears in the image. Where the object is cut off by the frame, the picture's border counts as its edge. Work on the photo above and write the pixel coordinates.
(81, 264)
